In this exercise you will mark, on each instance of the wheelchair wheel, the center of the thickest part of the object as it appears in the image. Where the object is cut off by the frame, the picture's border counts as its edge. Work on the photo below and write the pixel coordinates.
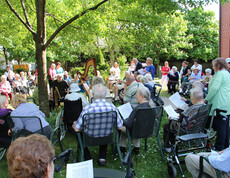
(172, 170)
(2, 152)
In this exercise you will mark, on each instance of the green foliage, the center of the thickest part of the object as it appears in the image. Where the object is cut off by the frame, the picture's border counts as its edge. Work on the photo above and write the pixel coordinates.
(122, 61)
(101, 57)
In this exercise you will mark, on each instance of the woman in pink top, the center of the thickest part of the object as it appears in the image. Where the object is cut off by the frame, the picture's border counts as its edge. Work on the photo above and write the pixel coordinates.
(165, 70)
(52, 74)
(5, 87)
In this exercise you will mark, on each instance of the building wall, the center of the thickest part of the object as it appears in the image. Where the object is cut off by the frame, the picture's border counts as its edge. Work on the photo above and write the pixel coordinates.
(224, 50)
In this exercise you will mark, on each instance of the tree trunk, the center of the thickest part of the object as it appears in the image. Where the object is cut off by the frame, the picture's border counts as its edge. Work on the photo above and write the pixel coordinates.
(6, 56)
(40, 39)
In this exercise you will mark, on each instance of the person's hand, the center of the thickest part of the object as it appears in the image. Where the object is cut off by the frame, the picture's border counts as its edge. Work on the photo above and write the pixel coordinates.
(183, 98)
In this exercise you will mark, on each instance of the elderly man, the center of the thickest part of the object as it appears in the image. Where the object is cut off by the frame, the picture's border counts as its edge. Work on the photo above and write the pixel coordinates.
(131, 90)
(218, 160)
(138, 64)
(99, 105)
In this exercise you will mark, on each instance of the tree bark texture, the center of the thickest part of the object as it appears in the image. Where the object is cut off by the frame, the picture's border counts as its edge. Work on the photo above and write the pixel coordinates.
(6, 56)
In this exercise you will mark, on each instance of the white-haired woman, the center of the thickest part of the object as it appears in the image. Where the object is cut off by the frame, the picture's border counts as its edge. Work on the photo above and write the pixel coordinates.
(208, 77)
(143, 97)
(5, 87)
(173, 80)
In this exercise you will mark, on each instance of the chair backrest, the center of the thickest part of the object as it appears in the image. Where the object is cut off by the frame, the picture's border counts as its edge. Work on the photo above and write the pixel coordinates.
(72, 111)
(143, 123)
(198, 122)
(98, 128)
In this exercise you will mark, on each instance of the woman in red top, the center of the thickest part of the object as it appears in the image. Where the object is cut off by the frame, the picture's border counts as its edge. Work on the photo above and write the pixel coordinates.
(165, 70)
(5, 87)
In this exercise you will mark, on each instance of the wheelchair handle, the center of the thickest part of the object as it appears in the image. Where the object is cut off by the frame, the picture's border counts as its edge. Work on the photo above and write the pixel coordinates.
(220, 110)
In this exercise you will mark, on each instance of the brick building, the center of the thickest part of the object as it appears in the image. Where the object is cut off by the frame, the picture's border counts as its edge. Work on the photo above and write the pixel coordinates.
(224, 31)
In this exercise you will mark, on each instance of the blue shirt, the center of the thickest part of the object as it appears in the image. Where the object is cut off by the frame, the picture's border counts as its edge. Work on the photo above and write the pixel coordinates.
(198, 77)
(220, 161)
(59, 70)
(100, 128)
(151, 69)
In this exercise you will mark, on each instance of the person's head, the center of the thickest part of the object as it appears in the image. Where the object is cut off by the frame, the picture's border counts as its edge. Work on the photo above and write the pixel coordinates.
(7, 68)
(98, 73)
(196, 71)
(184, 63)
(66, 73)
(22, 74)
(197, 84)
(31, 156)
(58, 65)
(96, 80)
(76, 77)
(149, 61)
(99, 91)
(139, 77)
(74, 88)
(132, 64)
(10, 76)
(115, 64)
(196, 95)
(174, 68)
(143, 95)
(53, 66)
(59, 77)
(228, 62)
(149, 76)
(144, 80)
(29, 73)
(196, 62)
(219, 64)
(135, 60)
(3, 101)
(136, 73)
(17, 100)
(166, 64)
(129, 80)
(3, 78)
(17, 76)
(208, 71)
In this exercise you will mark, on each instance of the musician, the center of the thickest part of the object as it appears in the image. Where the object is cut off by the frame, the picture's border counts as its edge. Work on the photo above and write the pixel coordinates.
(115, 75)
(61, 85)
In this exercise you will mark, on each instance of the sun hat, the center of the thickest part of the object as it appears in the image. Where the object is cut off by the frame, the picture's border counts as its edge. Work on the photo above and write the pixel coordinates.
(74, 87)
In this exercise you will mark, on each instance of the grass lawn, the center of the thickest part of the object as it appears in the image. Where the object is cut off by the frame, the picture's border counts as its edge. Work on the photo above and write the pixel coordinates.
(149, 164)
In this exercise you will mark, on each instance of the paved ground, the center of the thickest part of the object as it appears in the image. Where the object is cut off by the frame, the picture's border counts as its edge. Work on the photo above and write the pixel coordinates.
(168, 102)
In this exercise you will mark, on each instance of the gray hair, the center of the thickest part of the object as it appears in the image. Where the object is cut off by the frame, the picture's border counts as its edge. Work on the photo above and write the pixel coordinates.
(144, 79)
(149, 76)
(97, 80)
(3, 76)
(3, 100)
(208, 70)
(139, 77)
(130, 78)
(197, 93)
(53, 65)
(99, 91)
(197, 84)
(144, 91)
(174, 67)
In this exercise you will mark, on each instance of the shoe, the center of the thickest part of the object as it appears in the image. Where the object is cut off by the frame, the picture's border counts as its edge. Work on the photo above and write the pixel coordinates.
(168, 150)
(123, 150)
(101, 162)
(136, 150)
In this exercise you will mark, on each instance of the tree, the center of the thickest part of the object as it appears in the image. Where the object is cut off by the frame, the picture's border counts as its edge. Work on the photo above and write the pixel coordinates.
(39, 37)
(204, 31)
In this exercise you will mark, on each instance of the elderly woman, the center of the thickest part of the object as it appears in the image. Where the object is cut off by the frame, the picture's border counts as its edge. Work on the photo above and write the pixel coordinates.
(173, 80)
(31, 156)
(144, 99)
(219, 97)
(22, 108)
(5, 87)
(150, 69)
(197, 101)
(148, 85)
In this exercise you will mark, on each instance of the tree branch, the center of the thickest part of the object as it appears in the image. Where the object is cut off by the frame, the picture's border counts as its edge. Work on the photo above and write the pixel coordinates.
(70, 21)
(25, 14)
(19, 17)
(30, 6)
(49, 14)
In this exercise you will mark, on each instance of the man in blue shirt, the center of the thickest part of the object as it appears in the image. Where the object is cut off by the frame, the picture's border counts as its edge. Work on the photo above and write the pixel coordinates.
(218, 160)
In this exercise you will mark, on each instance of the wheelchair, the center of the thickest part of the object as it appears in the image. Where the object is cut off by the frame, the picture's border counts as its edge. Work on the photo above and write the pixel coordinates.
(198, 138)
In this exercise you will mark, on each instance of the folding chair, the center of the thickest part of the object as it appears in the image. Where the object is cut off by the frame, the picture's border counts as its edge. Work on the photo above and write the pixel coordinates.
(59, 131)
(193, 139)
(146, 124)
(88, 136)
(72, 111)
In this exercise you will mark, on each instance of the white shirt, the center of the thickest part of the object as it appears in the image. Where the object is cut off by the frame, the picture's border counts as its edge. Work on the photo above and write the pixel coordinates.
(7, 73)
(76, 96)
